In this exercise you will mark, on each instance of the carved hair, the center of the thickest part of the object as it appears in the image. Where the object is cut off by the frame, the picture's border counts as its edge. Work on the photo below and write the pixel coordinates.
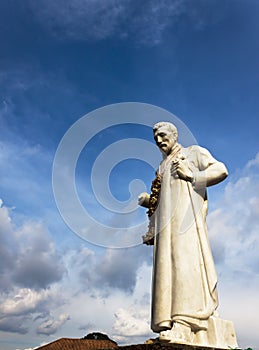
(169, 126)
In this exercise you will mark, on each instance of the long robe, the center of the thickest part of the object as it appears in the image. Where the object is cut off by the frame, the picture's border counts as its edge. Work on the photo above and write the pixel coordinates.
(184, 275)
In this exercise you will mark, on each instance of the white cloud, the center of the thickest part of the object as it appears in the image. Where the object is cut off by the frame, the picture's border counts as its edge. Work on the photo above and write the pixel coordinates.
(51, 326)
(19, 306)
(38, 264)
(96, 282)
(235, 224)
(88, 306)
(24, 302)
(253, 162)
(233, 228)
(5, 221)
(29, 260)
(132, 322)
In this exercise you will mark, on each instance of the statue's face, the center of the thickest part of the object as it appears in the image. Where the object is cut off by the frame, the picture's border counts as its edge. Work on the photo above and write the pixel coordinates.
(165, 140)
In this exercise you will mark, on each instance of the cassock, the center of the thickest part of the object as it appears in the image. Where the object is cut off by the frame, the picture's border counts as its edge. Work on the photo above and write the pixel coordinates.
(184, 276)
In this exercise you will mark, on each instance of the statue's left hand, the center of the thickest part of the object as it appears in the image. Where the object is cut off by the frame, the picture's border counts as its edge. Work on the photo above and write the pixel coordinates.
(180, 167)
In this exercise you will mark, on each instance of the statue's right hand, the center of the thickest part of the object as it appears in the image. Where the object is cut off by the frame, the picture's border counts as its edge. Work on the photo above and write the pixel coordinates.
(143, 199)
(180, 169)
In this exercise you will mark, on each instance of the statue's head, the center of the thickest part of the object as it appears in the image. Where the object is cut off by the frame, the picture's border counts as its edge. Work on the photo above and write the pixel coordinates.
(165, 135)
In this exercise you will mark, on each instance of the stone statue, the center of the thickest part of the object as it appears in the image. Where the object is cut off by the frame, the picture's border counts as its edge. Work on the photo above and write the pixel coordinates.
(184, 293)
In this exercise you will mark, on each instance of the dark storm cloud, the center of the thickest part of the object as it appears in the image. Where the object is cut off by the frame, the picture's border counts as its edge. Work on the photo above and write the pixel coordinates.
(116, 269)
(7, 262)
(38, 264)
(8, 248)
(28, 257)
(13, 324)
(37, 271)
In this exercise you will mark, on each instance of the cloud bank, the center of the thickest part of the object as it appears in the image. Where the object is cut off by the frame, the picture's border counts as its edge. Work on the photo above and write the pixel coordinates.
(30, 264)
(43, 288)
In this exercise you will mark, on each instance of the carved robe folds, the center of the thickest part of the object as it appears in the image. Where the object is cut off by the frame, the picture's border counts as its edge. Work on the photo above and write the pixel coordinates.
(184, 275)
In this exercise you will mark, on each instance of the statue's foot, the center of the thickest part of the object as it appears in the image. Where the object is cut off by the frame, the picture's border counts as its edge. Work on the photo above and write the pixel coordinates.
(178, 334)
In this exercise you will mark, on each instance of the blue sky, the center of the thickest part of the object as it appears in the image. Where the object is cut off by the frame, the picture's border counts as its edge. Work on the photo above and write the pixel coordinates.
(62, 60)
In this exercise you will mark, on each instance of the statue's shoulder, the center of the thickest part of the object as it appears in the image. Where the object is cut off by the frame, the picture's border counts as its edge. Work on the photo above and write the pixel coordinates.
(199, 156)
(195, 150)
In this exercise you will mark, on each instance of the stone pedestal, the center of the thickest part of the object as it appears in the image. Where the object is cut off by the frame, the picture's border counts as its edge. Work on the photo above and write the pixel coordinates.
(220, 334)
(166, 346)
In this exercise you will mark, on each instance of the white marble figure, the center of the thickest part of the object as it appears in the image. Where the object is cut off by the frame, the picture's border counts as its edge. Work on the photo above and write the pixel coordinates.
(184, 295)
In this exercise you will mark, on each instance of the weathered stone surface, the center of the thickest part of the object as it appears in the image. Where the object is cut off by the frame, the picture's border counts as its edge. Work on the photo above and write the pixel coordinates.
(184, 291)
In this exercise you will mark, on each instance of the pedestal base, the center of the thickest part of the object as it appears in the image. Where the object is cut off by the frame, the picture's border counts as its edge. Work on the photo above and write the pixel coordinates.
(220, 334)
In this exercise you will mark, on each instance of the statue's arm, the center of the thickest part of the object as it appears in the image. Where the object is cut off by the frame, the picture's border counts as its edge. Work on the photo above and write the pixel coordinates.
(210, 172)
(148, 238)
(207, 171)
(215, 173)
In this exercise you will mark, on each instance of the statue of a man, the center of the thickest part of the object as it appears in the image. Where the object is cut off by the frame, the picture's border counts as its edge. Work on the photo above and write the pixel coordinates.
(184, 295)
